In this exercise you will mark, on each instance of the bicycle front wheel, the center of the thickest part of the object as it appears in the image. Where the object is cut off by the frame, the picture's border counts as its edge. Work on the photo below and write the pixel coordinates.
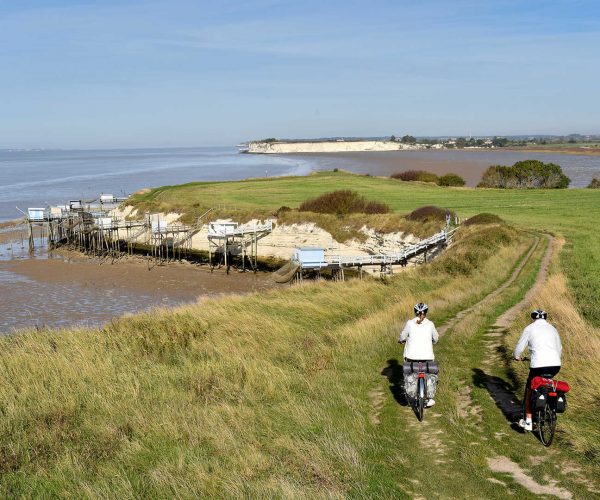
(546, 425)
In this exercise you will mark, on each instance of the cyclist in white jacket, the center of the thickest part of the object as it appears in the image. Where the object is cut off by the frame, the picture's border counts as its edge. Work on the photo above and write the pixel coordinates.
(545, 351)
(419, 335)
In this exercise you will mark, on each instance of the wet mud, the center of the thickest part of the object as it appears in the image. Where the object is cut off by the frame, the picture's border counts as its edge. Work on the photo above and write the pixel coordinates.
(64, 288)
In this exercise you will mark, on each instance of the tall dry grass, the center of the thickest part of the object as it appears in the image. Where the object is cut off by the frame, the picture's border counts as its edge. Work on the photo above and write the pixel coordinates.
(264, 395)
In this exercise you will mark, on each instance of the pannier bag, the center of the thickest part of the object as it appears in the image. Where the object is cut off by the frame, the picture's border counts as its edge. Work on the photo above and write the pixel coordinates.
(561, 385)
(410, 384)
(413, 367)
(561, 402)
(432, 381)
(539, 398)
(411, 377)
(544, 388)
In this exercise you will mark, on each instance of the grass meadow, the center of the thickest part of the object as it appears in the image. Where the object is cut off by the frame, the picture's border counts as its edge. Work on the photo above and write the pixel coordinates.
(294, 393)
(572, 213)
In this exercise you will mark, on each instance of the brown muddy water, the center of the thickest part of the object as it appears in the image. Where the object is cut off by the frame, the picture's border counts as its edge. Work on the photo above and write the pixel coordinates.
(62, 289)
(468, 163)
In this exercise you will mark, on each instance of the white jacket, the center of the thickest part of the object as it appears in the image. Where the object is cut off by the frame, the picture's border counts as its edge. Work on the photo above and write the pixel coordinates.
(543, 342)
(419, 339)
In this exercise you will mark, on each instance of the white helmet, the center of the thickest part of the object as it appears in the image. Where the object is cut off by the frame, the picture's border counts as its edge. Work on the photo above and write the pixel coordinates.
(421, 307)
(539, 314)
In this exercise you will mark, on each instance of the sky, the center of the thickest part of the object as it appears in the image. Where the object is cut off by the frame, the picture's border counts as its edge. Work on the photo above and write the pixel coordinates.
(101, 74)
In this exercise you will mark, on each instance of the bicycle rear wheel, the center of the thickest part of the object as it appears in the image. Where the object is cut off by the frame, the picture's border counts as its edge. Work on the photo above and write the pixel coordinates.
(420, 406)
(546, 420)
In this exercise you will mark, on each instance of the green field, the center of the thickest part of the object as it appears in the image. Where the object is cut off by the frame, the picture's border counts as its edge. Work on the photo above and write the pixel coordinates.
(294, 393)
(572, 213)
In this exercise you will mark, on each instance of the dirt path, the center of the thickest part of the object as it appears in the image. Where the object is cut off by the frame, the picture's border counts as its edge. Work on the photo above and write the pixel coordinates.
(376, 394)
(464, 439)
(515, 274)
(505, 320)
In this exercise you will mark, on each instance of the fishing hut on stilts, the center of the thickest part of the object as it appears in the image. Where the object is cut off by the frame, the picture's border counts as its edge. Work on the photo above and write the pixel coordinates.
(227, 239)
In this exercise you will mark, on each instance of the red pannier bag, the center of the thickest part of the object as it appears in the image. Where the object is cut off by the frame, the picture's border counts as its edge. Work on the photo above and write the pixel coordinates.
(561, 386)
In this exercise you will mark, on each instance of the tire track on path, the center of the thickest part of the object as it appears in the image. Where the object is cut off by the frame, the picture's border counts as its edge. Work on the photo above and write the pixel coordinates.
(514, 275)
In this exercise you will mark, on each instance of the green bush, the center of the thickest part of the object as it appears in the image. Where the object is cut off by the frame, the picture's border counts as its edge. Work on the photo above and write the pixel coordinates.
(451, 180)
(429, 213)
(595, 183)
(526, 174)
(484, 218)
(416, 175)
(343, 202)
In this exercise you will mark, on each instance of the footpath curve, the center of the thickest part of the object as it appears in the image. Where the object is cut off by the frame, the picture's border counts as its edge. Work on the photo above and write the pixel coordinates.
(541, 277)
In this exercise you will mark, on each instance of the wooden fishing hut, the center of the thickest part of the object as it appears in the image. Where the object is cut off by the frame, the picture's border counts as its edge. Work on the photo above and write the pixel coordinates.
(227, 239)
(168, 241)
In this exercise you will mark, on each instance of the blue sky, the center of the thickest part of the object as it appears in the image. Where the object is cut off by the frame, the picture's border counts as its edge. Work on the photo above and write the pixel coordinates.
(79, 74)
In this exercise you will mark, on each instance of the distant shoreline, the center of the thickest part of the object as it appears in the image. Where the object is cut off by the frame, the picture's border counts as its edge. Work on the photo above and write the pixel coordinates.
(575, 150)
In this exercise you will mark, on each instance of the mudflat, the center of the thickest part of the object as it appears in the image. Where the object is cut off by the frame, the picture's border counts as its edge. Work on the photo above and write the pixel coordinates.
(177, 280)
(67, 288)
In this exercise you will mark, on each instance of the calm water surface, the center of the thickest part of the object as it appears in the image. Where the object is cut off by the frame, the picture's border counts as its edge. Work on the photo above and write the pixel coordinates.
(39, 178)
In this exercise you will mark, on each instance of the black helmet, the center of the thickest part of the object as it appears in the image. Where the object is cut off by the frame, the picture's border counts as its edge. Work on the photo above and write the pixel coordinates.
(421, 308)
(539, 314)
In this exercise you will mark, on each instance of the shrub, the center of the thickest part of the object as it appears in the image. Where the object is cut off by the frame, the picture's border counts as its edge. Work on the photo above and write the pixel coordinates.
(376, 207)
(595, 183)
(451, 180)
(484, 218)
(416, 175)
(430, 213)
(473, 248)
(526, 174)
(282, 210)
(342, 202)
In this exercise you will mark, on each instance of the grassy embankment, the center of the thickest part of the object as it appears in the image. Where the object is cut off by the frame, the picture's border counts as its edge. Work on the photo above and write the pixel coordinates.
(282, 393)
(573, 213)
(255, 395)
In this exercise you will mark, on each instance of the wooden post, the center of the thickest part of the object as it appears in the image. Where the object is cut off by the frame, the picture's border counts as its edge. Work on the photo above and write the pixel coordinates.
(31, 243)
(243, 254)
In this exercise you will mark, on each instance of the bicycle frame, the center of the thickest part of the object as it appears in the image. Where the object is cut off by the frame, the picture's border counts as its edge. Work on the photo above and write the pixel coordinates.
(544, 418)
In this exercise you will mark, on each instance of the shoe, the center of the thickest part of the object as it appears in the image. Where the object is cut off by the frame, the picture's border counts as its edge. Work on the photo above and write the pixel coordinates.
(526, 424)
(430, 403)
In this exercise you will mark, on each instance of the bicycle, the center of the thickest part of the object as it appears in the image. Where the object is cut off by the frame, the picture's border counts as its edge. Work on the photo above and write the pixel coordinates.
(547, 399)
(423, 368)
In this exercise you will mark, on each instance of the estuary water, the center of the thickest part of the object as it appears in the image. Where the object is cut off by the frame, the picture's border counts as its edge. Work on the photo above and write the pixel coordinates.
(58, 291)
(38, 178)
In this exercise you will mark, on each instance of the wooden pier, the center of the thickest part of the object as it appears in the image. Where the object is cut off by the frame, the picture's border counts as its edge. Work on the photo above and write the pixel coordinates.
(314, 259)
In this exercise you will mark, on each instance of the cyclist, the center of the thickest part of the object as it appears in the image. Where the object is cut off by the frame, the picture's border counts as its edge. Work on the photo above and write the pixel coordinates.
(545, 350)
(419, 334)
